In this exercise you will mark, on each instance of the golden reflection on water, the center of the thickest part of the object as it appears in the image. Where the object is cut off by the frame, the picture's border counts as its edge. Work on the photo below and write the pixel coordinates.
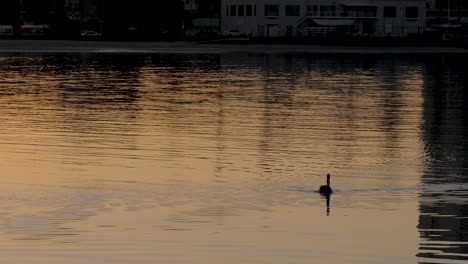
(210, 159)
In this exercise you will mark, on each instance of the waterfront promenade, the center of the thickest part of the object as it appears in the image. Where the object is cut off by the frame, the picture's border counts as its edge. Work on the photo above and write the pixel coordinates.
(62, 46)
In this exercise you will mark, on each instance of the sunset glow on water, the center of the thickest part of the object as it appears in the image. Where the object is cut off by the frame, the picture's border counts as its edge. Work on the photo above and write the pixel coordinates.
(218, 159)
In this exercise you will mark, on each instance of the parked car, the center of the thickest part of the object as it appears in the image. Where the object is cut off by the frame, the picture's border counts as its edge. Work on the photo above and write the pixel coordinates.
(232, 33)
(90, 34)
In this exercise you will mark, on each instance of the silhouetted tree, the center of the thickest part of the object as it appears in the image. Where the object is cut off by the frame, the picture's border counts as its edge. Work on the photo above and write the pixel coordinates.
(10, 14)
(209, 8)
(151, 18)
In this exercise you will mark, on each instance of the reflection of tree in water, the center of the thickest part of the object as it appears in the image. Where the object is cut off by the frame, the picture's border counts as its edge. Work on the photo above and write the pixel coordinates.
(91, 99)
(182, 97)
(98, 104)
(443, 222)
(104, 83)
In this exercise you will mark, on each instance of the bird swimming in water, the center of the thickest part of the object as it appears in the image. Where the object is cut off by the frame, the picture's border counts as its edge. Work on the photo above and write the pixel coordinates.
(326, 189)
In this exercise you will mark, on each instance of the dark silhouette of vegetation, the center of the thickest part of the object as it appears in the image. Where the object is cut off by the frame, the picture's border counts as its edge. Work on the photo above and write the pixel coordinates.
(117, 19)
(143, 19)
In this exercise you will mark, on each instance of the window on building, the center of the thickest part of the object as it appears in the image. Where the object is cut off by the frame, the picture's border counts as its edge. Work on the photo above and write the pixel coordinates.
(411, 13)
(233, 10)
(389, 28)
(323, 9)
(441, 4)
(292, 10)
(272, 10)
(312, 10)
(227, 10)
(389, 11)
(241, 10)
(327, 10)
(248, 10)
(360, 11)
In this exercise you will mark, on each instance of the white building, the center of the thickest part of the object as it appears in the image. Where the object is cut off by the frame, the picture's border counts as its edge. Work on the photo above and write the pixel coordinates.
(291, 18)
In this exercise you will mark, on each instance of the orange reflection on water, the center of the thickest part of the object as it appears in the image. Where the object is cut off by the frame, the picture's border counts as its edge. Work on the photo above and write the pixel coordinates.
(208, 159)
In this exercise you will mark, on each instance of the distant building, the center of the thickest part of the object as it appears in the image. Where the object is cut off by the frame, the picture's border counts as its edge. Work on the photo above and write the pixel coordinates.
(309, 18)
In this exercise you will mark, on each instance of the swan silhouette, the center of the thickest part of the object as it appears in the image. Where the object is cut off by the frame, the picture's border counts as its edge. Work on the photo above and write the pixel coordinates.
(326, 189)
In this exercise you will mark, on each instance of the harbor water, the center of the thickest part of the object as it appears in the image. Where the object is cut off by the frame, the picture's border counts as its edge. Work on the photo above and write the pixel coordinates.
(217, 158)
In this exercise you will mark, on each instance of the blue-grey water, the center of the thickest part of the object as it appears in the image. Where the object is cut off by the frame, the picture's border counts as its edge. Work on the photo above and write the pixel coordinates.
(109, 158)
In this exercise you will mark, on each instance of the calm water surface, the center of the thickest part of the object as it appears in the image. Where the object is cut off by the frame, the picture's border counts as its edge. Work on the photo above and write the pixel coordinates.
(217, 159)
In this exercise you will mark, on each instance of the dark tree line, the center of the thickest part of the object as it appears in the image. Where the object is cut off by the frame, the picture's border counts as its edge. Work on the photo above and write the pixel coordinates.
(151, 19)
(115, 18)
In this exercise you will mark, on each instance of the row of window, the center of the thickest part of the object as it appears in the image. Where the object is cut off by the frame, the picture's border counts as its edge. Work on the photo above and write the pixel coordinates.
(321, 10)
(270, 10)
(241, 10)
(324, 10)
(410, 12)
(360, 11)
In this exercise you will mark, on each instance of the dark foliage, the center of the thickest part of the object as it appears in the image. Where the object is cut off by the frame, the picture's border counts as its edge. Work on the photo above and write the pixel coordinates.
(142, 18)
(117, 19)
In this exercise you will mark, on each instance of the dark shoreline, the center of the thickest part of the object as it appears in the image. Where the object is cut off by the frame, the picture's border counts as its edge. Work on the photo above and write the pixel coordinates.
(179, 47)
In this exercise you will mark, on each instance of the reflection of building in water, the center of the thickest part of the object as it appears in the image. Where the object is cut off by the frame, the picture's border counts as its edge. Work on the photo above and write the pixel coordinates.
(322, 94)
(443, 222)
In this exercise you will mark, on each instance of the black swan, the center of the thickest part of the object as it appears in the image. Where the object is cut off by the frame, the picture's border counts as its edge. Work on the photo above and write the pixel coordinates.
(326, 189)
